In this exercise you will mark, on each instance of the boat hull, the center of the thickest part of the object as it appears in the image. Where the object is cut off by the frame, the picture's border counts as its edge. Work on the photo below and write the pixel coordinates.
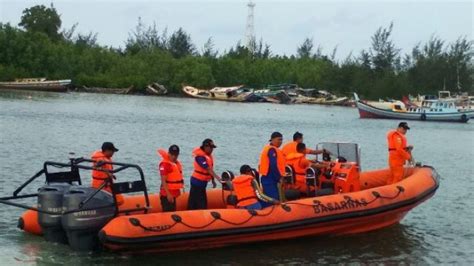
(368, 111)
(108, 90)
(53, 86)
(209, 95)
(337, 214)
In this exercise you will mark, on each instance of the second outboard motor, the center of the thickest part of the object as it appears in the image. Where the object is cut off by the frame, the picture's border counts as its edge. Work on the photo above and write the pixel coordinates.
(83, 225)
(50, 199)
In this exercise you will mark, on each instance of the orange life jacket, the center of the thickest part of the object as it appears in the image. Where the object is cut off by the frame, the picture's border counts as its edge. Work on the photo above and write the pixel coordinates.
(244, 190)
(175, 178)
(397, 143)
(294, 160)
(199, 172)
(98, 177)
(265, 162)
(290, 148)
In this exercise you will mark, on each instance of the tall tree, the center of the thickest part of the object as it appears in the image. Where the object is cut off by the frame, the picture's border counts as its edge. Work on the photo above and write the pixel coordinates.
(305, 50)
(145, 38)
(42, 19)
(208, 50)
(384, 54)
(180, 44)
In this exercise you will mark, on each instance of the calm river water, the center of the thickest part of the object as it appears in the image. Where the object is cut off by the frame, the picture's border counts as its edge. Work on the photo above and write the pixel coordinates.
(35, 127)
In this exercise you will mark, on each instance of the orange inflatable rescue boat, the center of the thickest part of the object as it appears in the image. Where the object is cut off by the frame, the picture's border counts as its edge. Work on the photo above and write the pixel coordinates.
(339, 200)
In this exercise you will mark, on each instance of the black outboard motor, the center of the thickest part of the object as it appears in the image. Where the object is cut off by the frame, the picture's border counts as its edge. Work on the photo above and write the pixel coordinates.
(50, 199)
(82, 226)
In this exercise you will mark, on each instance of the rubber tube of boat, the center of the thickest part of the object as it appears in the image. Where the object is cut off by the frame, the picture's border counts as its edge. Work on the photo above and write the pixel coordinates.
(50, 198)
(83, 226)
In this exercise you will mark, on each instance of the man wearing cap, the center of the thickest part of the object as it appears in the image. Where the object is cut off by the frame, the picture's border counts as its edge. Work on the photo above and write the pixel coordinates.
(171, 172)
(290, 147)
(398, 152)
(202, 174)
(272, 167)
(102, 167)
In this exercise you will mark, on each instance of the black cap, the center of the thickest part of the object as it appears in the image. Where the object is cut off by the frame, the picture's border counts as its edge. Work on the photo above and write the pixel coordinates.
(297, 136)
(108, 146)
(245, 169)
(208, 143)
(173, 149)
(276, 134)
(404, 125)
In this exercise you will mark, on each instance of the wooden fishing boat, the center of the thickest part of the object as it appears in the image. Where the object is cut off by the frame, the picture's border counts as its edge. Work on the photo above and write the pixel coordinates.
(341, 200)
(108, 90)
(37, 84)
(156, 89)
(230, 94)
(441, 110)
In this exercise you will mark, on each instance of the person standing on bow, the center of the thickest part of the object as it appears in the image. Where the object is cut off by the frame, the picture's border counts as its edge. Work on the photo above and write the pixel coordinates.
(171, 172)
(398, 152)
(272, 167)
(202, 174)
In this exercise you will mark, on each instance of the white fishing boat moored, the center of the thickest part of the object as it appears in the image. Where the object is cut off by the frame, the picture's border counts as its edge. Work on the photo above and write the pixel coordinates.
(429, 110)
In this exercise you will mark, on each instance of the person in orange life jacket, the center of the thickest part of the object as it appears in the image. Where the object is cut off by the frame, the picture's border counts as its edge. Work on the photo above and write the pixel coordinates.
(171, 173)
(248, 192)
(272, 167)
(290, 147)
(202, 174)
(102, 158)
(299, 163)
(102, 169)
(398, 152)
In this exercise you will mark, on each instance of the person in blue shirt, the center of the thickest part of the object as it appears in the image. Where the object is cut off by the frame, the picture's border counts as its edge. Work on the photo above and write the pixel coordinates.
(272, 167)
(203, 173)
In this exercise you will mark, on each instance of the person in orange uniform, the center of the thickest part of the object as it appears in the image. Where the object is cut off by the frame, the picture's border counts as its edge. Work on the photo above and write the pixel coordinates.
(290, 147)
(398, 152)
(171, 172)
(272, 167)
(299, 163)
(102, 168)
(248, 192)
(202, 174)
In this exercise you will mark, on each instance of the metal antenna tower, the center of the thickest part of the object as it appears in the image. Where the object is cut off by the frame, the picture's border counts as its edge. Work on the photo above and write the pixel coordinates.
(250, 32)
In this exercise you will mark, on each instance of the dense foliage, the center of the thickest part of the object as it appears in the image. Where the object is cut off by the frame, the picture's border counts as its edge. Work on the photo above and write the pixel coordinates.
(37, 48)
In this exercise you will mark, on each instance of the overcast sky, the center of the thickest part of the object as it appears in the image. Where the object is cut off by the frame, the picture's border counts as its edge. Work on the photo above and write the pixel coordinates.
(282, 24)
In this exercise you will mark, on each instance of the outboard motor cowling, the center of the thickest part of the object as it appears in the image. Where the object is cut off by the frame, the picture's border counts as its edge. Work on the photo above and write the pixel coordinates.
(82, 223)
(50, 199)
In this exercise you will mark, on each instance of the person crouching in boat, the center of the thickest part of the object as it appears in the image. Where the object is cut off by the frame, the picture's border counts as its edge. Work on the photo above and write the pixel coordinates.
(203, 173)
(248, 192)
(102, 167)
(290, 147)
(171, 172)
(272, 167)
(398, 152)
(299, 163)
